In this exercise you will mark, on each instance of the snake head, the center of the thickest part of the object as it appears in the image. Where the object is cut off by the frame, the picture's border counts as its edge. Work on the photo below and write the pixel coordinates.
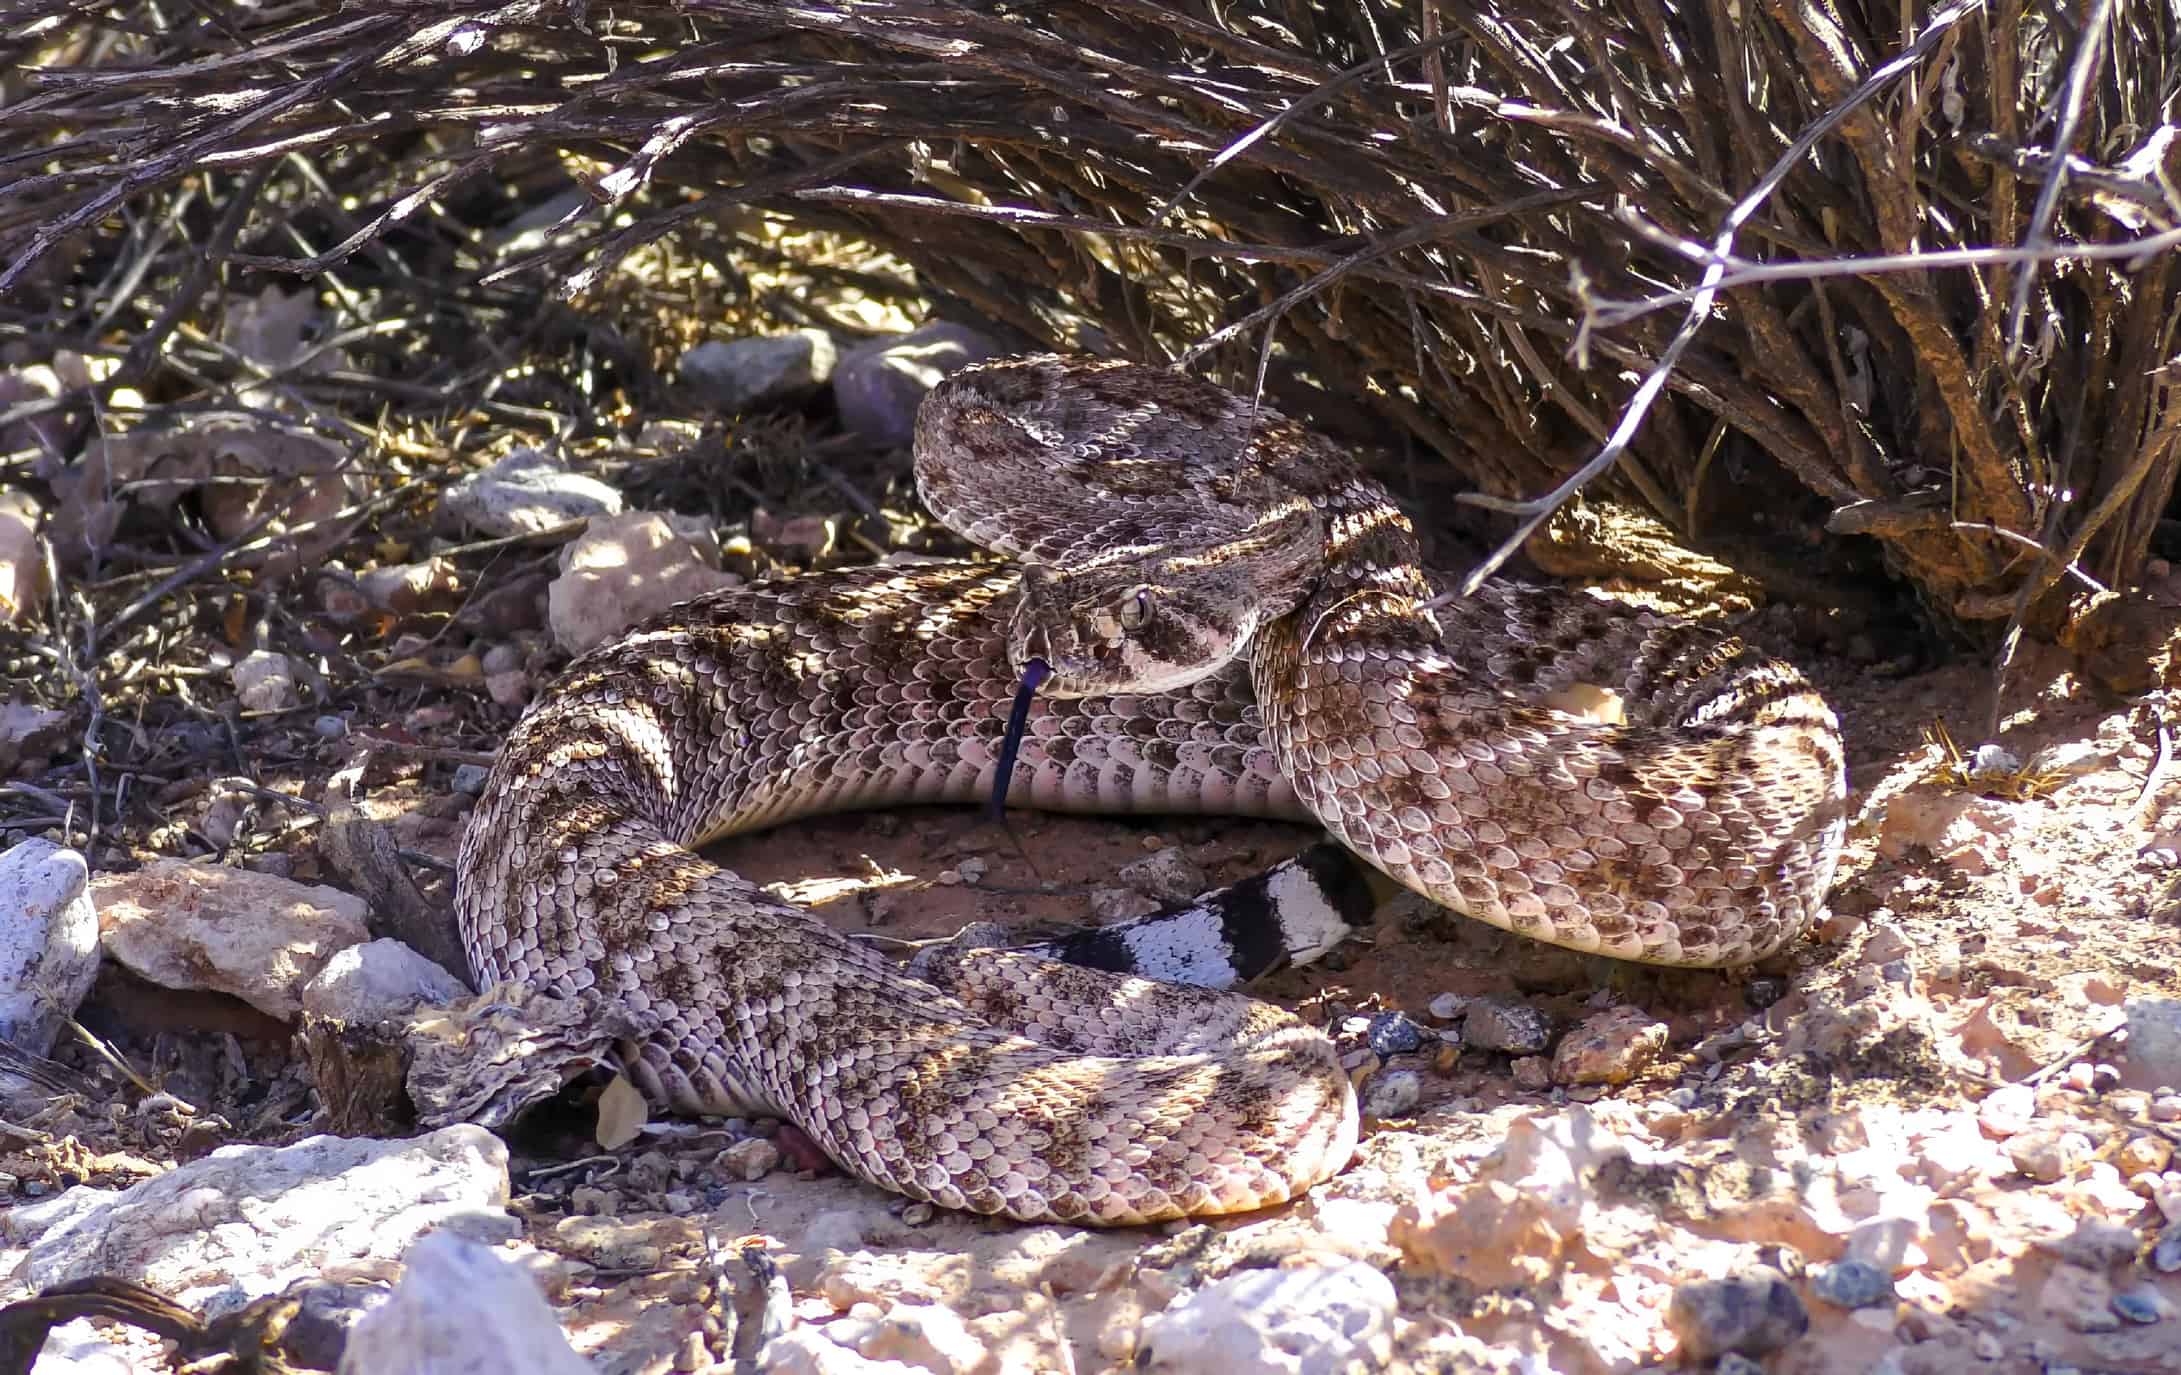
(1149, 626)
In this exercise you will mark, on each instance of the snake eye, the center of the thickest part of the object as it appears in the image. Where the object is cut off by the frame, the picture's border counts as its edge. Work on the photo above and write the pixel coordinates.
(1135, 609)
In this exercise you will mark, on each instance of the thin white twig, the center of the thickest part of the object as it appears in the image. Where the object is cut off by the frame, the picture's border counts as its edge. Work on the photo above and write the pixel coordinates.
(1745, 271)
(2067, 566)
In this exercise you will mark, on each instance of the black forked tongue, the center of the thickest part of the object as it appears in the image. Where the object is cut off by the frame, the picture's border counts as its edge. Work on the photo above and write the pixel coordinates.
(1034, 672)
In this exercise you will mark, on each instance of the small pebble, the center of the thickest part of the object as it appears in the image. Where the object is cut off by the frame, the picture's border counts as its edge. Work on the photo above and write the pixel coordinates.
(692, 1354)
(2092, 1245)
(2166, 1108)
(733, 375)
(2144, 1155)
(509, 689)
(2154, 1039)
(2007, 1110)
(1735, 1363)
(1447, 1006)
(1119, 904)
(2049, 1156)
(650, 1172)
(1852, 1284)
(2140, 1306)
(1393, 1093)
(1753, 1313)
(972, 870)
(750, 1160)
(1392, 1033)
(1166, 874)
(878, 383)
(1515, 1028)
(330, 727)
(1886, 944)
(2079, 1297)
(1611, 1047)
(470, 779)
(917, 1214)
(264, 681)
(1883, 1242)
(1533, 1072)
(2165, 1253)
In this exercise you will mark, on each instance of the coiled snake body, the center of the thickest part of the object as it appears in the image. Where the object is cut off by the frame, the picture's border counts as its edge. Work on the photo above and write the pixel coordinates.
(1243, 614)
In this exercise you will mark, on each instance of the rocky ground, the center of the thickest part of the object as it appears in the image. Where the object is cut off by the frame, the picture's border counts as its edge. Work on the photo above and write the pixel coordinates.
(1937, 1137)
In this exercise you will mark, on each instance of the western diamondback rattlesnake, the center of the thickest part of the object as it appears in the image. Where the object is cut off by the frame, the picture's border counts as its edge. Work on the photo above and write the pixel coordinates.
(1246, 612)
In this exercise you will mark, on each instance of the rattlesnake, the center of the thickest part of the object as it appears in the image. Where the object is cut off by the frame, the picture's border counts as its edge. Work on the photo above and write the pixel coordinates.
(1247, 613)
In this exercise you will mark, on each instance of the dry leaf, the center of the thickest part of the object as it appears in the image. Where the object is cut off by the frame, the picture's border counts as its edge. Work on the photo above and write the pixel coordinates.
(622, 1113)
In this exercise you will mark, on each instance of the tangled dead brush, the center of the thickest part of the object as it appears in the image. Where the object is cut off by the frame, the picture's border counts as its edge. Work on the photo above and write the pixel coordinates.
(1478, 225)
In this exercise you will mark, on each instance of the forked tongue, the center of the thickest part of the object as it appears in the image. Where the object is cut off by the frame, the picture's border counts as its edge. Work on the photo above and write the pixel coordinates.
(1034, 672)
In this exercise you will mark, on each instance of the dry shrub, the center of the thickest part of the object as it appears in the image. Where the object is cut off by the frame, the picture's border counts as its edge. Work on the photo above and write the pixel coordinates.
(1440, 216)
